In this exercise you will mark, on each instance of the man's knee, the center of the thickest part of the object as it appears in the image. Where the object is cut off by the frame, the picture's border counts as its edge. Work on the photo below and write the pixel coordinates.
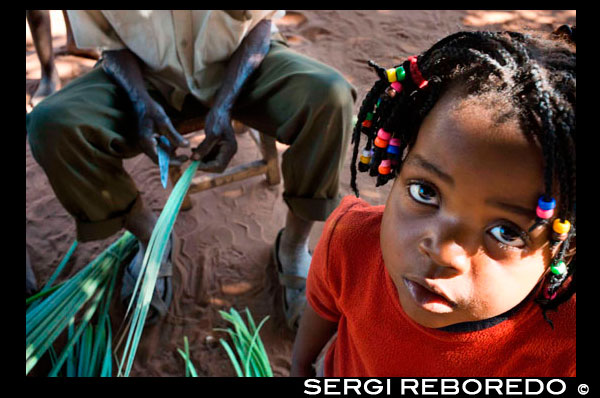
(47, 129)
(333, 90)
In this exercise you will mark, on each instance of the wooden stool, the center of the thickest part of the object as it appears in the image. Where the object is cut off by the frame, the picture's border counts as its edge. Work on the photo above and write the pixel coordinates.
(268, 165)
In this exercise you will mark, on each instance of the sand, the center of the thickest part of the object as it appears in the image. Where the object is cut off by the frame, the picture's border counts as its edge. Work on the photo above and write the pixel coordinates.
(225, 240)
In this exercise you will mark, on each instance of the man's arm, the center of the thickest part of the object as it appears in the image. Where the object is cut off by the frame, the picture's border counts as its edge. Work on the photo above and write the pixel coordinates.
(219, 133)
(313, 333)
(124, 67)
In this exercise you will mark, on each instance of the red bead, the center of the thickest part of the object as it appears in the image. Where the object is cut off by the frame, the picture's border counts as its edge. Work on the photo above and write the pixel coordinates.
(547, 295)
(384, 167)
(416, 73)
(366, 123)
(380, 143)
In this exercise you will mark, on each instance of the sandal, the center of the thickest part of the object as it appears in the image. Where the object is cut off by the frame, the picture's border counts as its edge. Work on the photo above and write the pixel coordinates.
(159, 306)
(293, 311)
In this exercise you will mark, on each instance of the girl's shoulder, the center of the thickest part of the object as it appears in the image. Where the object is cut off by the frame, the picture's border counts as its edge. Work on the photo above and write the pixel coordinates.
(353, 218)
(352, 229)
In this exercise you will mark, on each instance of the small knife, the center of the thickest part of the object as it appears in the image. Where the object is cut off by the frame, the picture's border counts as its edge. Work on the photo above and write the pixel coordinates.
(163, 161)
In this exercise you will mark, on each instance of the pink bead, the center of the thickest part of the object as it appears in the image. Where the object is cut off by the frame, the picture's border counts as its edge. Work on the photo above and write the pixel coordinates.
(547, 295)
(384, 135)
(385, 163)
(395, 141)
(545, 214)
(397, 86)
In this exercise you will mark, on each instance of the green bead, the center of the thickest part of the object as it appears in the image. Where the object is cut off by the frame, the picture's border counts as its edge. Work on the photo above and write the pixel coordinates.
(369, 116)
(559, 268)
(378, 102)
(400, 73)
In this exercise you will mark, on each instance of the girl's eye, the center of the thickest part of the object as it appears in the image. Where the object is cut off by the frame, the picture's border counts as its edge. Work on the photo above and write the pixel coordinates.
(423, 193)
(507, 236)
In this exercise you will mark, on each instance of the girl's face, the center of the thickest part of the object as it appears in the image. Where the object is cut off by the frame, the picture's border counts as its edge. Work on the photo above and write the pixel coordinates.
(454, 232)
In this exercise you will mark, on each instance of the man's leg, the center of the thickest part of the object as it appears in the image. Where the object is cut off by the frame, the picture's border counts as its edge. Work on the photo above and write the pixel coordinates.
(39, 24)
(308, 105)
(80, 136)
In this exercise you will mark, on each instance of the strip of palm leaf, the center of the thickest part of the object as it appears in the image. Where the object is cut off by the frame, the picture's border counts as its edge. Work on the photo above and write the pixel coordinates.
(146, 280)
(47, 318)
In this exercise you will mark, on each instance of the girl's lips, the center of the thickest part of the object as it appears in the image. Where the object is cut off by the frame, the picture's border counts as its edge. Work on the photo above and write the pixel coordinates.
(427, 299)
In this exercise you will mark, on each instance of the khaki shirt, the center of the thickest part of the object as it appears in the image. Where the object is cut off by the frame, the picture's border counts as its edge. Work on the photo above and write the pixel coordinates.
(183, 51)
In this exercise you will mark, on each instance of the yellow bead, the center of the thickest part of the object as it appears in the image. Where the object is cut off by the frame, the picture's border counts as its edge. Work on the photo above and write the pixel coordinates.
(365, 160)
(561, 228)
(391, 74)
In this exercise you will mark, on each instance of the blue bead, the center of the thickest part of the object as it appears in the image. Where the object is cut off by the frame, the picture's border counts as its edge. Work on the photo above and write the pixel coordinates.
(393, 149)
(542, 204)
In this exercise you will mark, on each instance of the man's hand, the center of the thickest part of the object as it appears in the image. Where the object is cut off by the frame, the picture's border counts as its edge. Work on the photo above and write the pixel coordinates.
(220, 144)
(154, 122)
(124, 67)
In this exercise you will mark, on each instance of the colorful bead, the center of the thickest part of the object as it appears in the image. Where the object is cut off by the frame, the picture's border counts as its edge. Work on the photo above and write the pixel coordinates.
(384, 135)
(416, 73)
(396, 86)
(559, 268)
(393, 149)
(395, 141)
(544, 214)
(380, 143)
(542, 204)
(400, 73)
(385, 167)
(560, 227)
(369, 116)
(366, 156)
(391, 74)
(548, 296)
(367, 123)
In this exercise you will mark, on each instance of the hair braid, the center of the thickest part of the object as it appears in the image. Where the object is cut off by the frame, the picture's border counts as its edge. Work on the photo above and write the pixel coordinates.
(539, 77)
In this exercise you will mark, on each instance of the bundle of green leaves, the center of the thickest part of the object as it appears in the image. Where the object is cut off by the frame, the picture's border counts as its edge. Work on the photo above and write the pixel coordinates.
(86, 294)
(250, 358)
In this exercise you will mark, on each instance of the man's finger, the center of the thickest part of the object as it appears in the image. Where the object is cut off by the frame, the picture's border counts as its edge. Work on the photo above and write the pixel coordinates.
(219, 164)
(148, 146)
(176, 139)
(204, 147)
(178, 160)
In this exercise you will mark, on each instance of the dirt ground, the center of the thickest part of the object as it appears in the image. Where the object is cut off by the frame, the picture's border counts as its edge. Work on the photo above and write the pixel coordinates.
(226, 238)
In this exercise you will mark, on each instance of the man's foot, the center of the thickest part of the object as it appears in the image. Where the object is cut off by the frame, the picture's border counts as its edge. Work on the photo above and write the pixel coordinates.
(163, 291)
(293, 262)
(47, 86)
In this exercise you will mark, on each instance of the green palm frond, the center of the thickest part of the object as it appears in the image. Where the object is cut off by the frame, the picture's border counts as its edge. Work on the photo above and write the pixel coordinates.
(151, 264)
(252, 359)
(55, 308)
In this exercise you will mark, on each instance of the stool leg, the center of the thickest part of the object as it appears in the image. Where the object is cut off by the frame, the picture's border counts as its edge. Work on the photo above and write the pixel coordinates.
(270, 154)
(174, 175)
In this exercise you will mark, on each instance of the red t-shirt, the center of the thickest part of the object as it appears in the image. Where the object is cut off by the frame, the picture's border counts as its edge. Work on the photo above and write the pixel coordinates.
(348, 284)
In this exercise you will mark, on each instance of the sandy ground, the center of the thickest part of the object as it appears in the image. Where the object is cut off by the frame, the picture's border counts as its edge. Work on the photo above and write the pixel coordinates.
(226, 238)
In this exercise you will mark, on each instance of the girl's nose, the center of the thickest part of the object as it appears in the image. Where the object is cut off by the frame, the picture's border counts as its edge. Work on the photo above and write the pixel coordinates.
(446, 249)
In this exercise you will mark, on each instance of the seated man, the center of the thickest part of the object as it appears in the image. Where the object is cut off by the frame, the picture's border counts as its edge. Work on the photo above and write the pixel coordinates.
(225, 64)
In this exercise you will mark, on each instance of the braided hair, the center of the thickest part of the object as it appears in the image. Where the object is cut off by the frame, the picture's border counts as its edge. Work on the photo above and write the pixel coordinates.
(536, 73)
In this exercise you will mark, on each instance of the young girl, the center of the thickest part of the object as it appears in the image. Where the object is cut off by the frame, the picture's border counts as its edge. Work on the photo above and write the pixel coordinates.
(455, 275)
